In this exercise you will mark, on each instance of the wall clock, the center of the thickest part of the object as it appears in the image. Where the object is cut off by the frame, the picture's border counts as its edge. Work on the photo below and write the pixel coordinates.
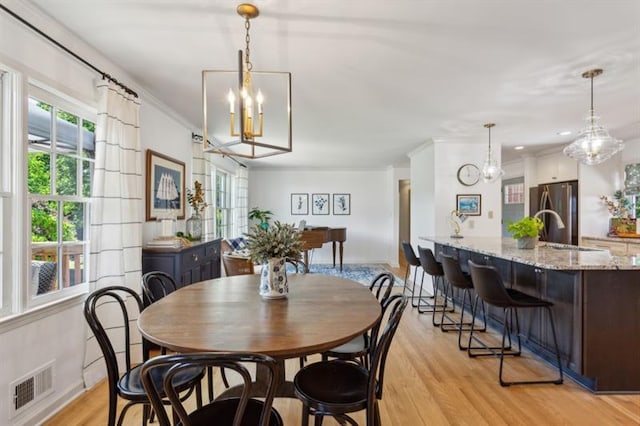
(468, 174)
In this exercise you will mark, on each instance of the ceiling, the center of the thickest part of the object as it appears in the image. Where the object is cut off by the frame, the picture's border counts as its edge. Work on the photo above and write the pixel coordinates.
(373, 80)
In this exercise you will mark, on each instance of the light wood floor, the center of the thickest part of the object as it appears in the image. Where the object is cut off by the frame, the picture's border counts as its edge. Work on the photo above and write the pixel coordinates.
(429, 381)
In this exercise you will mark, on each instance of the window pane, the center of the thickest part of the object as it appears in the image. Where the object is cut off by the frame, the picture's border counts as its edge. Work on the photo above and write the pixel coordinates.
(67, 132)
(88, 139)
(66, 175)
(87, 174)
(73, 224)
(39, 123)
(44, 221)
(73, 267)
(39, 169)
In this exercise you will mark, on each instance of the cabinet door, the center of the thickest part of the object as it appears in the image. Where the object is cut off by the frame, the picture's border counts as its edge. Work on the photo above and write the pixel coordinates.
(192, 258)
(561, 288)
(528, 279)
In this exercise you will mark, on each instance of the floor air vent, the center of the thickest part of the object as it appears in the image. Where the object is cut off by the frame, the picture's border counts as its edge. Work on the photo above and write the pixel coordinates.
(31, 388)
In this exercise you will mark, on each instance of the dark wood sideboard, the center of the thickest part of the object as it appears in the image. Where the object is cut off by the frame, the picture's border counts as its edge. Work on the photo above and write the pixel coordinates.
(186, 265)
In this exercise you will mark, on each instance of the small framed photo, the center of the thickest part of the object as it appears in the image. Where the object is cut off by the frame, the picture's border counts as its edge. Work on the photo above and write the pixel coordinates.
(299, 204)
(341, 204)
(469, 204)
(165, 187)
(319, 204)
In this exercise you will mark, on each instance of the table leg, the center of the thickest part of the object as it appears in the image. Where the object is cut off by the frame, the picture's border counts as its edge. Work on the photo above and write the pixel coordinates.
(341, 252)
(334, 255)
(306, 261)
(284, 388)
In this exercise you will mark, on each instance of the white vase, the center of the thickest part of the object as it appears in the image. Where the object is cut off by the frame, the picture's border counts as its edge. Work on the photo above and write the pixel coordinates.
(273, 279)
(526, 242)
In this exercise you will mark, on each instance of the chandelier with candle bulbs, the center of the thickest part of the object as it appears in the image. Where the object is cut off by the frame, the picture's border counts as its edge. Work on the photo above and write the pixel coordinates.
(246, 103)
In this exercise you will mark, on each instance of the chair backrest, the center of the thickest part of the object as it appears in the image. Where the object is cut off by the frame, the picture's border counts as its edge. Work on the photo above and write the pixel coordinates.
(99, 309)
(377, 286)
(156, 285)
(453, 272)
(409, 254)
(392, 310)
(176, 364)
(429, 263)
(234, 265)
(488, 285)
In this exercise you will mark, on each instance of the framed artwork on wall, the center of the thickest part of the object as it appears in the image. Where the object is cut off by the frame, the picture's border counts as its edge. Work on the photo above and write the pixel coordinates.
(469, 204)
(320, 204)
(165, 187)
(299, 204)
(341, 204)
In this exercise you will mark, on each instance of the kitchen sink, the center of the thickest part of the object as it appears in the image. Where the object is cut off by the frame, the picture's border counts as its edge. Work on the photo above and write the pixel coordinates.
(570, 248)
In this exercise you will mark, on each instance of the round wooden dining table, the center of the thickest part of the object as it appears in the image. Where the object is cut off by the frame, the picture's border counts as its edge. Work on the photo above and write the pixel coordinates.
(228, 314)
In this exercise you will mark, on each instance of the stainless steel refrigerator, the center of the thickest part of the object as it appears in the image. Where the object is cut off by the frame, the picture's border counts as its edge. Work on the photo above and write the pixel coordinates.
(562, 197)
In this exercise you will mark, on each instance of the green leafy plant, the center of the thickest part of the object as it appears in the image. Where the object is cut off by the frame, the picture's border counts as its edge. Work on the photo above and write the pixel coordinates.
(277, 241)
(525, 227)
(262, 215)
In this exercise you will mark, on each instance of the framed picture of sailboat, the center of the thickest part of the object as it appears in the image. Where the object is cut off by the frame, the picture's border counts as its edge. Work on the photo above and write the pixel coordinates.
(165, 187)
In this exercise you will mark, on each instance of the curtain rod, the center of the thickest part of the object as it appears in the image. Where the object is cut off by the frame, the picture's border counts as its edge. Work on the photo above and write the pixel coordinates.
(199, 138)
(67, 50)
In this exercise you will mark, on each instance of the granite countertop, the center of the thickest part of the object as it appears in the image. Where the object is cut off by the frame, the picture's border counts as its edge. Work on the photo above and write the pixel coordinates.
(545, 255)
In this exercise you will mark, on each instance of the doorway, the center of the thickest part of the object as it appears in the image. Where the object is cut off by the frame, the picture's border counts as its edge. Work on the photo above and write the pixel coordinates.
(512, 202)
(404, 218)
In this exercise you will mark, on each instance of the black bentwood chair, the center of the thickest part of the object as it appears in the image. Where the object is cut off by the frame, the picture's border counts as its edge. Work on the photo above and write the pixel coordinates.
(156, 285)
(358, 347)
(128, 385)
(236, 411)
(491, 290)
(338, 387)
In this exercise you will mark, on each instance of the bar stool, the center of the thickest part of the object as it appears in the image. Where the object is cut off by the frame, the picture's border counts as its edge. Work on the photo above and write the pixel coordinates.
(490, 288)
(456, 278)
(434, 268)
(412, 260)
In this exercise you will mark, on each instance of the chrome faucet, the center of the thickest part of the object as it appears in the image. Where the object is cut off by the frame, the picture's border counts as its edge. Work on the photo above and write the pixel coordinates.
(554, 213)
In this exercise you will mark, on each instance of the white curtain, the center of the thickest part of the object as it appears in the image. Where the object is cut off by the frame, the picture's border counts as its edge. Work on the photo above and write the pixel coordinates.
(116, 210)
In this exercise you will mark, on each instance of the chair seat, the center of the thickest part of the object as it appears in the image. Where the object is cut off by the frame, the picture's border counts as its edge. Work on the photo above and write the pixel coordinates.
(334, 386)
(523, 300)
(130, 384)
(222, 412)
(356, 346)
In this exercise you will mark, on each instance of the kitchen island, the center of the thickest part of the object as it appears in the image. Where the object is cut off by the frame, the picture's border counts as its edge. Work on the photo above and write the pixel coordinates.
(596, 298)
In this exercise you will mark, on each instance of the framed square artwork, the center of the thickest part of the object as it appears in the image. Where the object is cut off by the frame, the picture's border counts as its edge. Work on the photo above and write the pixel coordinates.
(469, 204)
(165, 187)
(299, 204)
(341, 204)
(319, 204)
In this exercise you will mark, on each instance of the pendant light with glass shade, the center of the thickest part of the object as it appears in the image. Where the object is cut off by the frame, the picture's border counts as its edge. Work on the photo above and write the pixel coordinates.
(491, 170)
(594, 144)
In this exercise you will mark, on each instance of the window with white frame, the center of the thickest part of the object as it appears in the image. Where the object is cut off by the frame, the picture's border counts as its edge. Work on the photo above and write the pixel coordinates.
(223, 205)
(514, 193)
(60, 162)
(5, 194)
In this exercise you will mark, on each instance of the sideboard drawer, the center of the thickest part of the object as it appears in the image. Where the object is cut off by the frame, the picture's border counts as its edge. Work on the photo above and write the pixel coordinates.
(193, 257)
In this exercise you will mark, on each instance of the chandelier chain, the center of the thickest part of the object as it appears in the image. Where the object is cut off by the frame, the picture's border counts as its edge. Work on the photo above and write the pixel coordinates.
(247, 39)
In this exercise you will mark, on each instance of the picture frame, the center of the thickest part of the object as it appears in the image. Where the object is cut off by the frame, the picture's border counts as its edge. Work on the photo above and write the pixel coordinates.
(469, 204)
(320, 204)
(299, 203)
(165, 187)
(341, 204)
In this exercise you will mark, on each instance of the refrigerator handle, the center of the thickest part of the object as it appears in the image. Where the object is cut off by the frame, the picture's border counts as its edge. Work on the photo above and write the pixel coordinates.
(569, 215)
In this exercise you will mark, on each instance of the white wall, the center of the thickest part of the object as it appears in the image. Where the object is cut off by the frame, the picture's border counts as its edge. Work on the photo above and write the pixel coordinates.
(370, 227)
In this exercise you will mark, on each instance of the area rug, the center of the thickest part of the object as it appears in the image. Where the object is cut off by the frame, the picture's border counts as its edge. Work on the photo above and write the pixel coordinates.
(360, 272)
